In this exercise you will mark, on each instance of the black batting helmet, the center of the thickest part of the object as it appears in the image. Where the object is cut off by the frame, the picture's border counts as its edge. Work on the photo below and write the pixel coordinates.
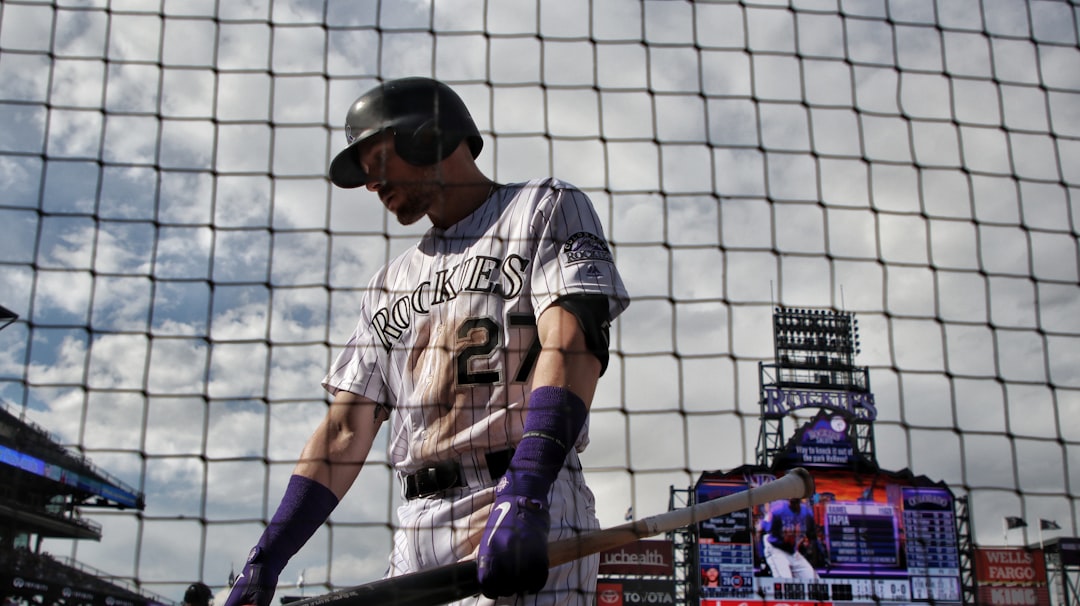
(428, 119)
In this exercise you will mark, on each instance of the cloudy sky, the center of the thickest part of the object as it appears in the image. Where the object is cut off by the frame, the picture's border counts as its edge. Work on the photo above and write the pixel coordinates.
(184, 273)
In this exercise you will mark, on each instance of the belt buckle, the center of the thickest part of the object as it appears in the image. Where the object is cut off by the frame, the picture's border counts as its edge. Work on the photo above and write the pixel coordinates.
(432, 480)
(441, 477)
(427, 482)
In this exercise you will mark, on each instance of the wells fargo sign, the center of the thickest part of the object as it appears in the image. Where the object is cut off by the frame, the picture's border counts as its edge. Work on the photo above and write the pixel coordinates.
(1011, 577)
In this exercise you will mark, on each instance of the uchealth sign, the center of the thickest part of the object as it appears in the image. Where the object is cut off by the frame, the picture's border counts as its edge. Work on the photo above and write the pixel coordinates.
(640, 558)
(1011, 576)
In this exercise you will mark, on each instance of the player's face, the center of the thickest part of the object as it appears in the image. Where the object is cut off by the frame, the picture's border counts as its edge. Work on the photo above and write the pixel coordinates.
(406, 190)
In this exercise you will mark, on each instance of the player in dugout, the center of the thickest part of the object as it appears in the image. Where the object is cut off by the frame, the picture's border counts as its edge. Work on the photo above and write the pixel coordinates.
(198, 594)
(481, 345)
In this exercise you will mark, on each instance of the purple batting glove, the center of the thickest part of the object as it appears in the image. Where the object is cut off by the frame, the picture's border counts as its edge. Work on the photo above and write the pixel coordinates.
(256, 584)
(513, 554)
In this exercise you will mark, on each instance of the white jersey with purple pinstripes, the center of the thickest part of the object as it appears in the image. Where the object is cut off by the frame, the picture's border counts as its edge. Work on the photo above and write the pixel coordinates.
(447, 331)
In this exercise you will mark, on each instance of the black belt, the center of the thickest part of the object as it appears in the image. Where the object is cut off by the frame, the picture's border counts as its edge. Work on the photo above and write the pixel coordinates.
(449, 474)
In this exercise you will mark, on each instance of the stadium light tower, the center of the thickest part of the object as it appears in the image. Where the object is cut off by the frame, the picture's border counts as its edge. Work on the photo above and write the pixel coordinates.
(814, 367)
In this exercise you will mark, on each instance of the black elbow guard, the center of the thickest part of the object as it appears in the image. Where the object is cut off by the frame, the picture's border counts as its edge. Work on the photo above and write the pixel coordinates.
(592, 315)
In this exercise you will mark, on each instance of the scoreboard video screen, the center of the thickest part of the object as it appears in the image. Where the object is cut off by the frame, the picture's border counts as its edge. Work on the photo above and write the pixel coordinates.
(878, 538)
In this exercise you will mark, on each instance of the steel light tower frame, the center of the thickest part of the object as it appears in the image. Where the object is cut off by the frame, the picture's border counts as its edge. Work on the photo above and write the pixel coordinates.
(814, 367)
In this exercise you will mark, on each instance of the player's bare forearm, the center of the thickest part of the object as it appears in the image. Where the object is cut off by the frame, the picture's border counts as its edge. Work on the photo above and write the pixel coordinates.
(337, 449)
(565, 360)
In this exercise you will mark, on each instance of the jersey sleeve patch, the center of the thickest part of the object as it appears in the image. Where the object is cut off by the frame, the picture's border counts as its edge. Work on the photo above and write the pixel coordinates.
(584, 246)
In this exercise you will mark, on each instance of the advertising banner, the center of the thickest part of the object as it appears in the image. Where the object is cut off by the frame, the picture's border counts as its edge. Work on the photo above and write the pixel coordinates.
(1009, 566)
(1011, 576)
(641, 558)
(635, 592)
(1013, 596)
(28, 590)
(756, 603)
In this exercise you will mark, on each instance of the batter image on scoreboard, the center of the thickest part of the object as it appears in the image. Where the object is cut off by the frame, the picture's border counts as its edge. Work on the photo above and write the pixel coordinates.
(791, 540)
(480, 347)
(710, 577)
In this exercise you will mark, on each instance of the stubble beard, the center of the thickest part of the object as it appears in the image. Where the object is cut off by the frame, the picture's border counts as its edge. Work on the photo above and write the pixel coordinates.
(413, 208)
(417, 200)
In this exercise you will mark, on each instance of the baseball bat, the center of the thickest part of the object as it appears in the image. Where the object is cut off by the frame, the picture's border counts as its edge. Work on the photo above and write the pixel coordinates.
(459, 580)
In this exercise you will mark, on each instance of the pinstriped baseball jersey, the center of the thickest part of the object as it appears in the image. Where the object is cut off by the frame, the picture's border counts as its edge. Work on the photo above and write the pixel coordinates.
(447, 331)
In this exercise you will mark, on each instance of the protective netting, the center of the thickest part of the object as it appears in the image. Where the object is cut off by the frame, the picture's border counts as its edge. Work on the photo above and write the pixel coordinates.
(184, 272)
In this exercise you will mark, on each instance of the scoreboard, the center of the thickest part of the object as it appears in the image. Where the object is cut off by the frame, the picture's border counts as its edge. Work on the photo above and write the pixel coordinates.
(838, 590)
(725, 545)
(932, 549)
(862, 534)
(884, 538)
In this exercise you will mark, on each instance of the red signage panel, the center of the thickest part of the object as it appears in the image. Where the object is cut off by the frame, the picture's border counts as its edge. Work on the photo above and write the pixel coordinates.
(1013, 596)
(609, 594)
(1011, 576)
(1009, 566)
(635, 592)
(758, 603)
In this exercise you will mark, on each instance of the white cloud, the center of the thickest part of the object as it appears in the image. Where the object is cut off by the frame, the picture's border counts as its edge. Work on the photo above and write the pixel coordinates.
(135, 37)
(917, 170)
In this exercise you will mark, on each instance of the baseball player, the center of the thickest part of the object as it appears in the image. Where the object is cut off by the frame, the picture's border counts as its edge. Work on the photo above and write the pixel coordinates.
(789, 527)
(198, 594)
(481, 346)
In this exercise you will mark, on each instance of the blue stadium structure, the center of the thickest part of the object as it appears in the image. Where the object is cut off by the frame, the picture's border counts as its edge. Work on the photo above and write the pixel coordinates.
(43, 489)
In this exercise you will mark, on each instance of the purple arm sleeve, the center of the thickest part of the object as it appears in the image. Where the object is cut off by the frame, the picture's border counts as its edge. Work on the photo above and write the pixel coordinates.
(554, 420)
(513, 549)
(304, 507)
